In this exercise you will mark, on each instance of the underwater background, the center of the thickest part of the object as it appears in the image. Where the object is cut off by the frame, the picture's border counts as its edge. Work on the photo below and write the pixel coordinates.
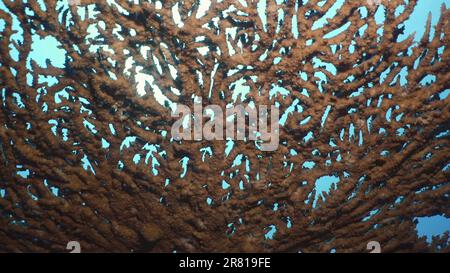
(86, 91)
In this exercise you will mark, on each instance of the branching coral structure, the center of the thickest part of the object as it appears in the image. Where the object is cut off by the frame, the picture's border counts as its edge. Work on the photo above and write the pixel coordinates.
(86, 154)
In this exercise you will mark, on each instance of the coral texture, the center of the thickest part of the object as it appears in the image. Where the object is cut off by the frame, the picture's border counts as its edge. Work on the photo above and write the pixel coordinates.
(86, 152)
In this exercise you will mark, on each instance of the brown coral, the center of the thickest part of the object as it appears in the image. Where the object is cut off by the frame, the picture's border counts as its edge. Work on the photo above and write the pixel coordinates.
(157, 204)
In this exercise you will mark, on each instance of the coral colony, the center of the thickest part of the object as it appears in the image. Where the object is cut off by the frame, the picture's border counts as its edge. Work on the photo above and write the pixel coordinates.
(224, 126)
